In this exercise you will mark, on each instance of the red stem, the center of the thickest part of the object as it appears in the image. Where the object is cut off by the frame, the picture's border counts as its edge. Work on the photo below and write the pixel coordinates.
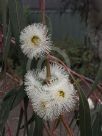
(74, 73)
(9, 130)
(47, 130)
(69, 131)
(54, 126)
(42, 7)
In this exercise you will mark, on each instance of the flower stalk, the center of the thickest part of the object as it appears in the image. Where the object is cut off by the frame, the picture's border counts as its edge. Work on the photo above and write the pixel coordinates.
(48, 72)
(42, 6)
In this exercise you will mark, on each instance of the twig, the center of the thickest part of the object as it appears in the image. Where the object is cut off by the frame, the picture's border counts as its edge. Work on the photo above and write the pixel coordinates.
(66, 126)
(48, 72)
(42, 6)
(47, 130)
(9, 130)
(54, 126)
(74, 73)
(17, 79)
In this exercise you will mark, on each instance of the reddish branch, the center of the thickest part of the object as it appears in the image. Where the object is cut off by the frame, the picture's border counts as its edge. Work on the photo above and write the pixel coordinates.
(66, 125)
(42, 7)
(47, 130)
(9, 130)
(83, 78)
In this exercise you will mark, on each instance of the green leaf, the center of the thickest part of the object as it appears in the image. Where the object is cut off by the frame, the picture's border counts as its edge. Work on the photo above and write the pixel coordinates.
(19, 122)
(12, 99)
(49, 24)
(84, 116)
(18, 22)
(3, 8)
(3, 133)
(31, 129)
(98, 78)
(7, 44)
(29, 121)
(4, 111)
(6, 32)
(84, 112)
(38, 131)
(16, 17)
(20, 94)
(97, 125)
(26, 100)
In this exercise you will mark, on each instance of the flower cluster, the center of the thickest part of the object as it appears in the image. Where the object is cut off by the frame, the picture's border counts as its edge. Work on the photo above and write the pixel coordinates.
(49, 98)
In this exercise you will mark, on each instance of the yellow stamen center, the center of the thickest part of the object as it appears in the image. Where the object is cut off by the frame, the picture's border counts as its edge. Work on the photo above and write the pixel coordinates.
(43, 104)
(35, 40)
(61, 93)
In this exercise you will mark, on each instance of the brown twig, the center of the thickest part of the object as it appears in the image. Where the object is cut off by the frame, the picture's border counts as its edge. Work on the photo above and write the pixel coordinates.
(17, 79)
(54, 126)
(42, 7)
(68, 129)
(47, 130)
(74, 73)
(9, 130)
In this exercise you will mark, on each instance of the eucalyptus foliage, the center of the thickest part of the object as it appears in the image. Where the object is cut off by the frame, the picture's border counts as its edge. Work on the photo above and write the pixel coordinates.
(13, 20)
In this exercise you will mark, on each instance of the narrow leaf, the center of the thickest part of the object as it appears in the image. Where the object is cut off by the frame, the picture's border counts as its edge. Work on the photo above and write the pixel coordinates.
(38, 131)
(98, 78)
(84, 116)
(19, 122)
(29, 121)
(16, 17)
(31, 129)
(11, 100)
(97, 125)
(25, 114)
(7, 43)
(4, 112)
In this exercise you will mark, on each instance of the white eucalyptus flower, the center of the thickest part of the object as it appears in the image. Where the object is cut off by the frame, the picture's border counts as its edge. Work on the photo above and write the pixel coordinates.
(32, 83)
(40, 99)
(49, 100)
(35, 40)
(63, 96)
(41, 103)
